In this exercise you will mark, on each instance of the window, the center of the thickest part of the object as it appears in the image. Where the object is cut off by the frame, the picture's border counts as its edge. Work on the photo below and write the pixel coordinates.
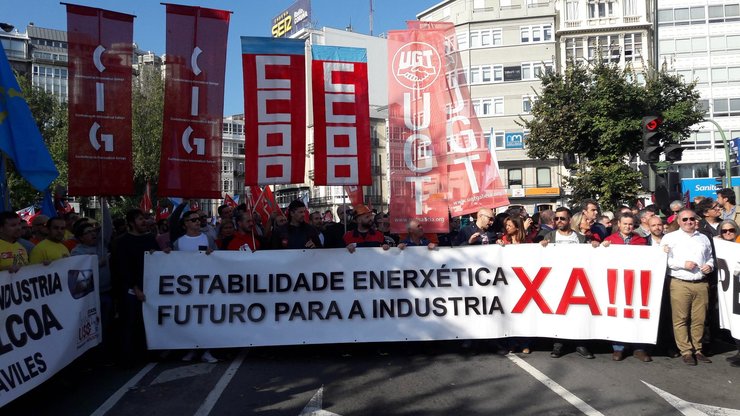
(632, 46)
(498, 73)
(227, 166)
(699, 44)
(498, 105)
(544, 179)
(527, 104)
(462, 40)
(719, 75)
(227, 185)
(573, 49)
(475, 39)
(532, 70)
(485, 38)
(600, 8)
(515, 178)
(486, 73)
(721, 107)
(539, 33)
(630, 8)
(475, 75)
(571, 10)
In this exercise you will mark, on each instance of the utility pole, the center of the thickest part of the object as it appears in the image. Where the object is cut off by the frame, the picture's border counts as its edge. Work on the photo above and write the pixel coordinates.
(371, 17)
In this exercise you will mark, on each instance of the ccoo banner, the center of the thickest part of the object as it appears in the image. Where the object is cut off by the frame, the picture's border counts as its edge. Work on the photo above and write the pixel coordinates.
(274, 110)
(100, 47)
(51, 315)
(341, 116)
(190, 164)
(294, 297)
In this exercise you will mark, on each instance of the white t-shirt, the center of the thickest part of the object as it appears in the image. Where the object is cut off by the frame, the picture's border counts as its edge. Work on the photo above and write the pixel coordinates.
(187, 243)
(566, 239)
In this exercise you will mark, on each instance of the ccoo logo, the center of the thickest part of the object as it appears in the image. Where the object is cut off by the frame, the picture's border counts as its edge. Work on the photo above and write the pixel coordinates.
(416, 65)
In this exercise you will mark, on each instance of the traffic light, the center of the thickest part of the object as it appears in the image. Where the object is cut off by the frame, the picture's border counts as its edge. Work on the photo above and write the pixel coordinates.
(673, 152)
(651, 148)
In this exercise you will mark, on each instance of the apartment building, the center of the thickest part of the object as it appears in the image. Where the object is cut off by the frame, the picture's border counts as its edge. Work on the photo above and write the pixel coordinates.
(700, 40)
(504, 45)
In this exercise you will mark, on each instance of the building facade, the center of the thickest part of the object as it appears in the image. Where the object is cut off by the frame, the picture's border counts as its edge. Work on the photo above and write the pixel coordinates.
(504, 45)
(700, 40)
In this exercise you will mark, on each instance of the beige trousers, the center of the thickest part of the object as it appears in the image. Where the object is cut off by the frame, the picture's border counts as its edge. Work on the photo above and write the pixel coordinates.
(689, 309)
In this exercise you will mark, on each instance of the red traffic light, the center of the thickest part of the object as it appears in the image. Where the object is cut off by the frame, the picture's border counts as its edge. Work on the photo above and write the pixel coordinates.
(653, 124)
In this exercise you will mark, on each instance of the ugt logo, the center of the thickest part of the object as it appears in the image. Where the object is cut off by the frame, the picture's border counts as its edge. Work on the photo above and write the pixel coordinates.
(416, 65)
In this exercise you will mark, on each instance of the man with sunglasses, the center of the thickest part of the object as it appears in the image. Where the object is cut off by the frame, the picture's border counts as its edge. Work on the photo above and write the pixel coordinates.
(478, 232)
(690, 260)
(711, 215)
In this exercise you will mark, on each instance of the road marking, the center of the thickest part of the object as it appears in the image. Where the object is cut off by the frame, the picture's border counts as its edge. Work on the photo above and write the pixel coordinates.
(219, 388)
(557, 388)
(692, 409)
(112, 400)
(183, 372)
(314, 406)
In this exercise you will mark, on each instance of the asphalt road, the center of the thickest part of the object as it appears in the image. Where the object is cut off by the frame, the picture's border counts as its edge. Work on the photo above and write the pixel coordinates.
(423, 378)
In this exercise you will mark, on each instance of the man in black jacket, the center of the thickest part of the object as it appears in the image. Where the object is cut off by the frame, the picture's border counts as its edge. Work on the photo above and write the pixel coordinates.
(479, 231)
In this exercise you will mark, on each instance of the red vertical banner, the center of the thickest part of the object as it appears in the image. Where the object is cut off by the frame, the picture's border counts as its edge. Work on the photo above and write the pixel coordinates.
(355, 195)
(195, 62)
(100, 47)
(274, 110)
(341, 114)
(474, 181)
(417, 129)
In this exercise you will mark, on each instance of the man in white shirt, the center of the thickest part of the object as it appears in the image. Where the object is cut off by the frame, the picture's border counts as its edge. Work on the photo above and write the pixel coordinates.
(689, 261)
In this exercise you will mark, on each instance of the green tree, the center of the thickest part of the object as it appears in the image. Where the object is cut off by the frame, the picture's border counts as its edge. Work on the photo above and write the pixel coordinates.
(595, 112)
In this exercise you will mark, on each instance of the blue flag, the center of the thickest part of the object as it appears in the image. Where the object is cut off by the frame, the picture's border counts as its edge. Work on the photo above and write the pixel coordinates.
(20, 138)
(47, 204)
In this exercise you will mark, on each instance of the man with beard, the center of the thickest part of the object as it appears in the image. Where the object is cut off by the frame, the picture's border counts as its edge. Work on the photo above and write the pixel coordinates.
(364, 235)
(295, 234)
(246, 238)
(478, 232)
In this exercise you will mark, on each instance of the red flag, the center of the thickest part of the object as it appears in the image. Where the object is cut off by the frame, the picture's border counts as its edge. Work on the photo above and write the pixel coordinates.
(146, 200)
(341, 116)
(687, 199)
(100, 48)
(190, 165)
(230, 201)
(416, 87)
(355, 195)
(274, 110)
(162, 213)
(265, 204)
(194, 205)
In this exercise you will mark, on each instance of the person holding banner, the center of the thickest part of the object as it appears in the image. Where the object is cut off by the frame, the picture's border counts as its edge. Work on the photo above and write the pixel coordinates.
(246, 237)
(365, 235)
(690, 260)
(12, 254)
(478, 232)
(415, 237)
(296, 234)
(51, 248)
(127, 265)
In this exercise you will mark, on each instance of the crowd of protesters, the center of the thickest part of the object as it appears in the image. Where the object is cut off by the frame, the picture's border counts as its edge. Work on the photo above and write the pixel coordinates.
(688, 323)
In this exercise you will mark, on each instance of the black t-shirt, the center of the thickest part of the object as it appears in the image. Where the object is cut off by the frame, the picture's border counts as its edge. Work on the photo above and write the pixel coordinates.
(127, 257)
(294, 237)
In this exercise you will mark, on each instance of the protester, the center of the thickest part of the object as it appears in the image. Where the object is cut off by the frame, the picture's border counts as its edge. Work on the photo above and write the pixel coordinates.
(448, 239)
(13, 255)
(127, 266)
(711, 215)
(590, 210)
(246, 237)
(478, 232)
(415, 237)
(515, 231)
(38, 228)
(726, 200)
(364, 235)
(25, 238)
(295, 234)
(383, 224)
(317, 221)
(689, 260)
(226, 233)
(728, 231)
(675, 207)
(51, 248)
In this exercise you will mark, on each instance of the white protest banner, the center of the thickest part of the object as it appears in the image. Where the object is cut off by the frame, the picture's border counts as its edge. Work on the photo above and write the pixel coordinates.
(229, 299)
(728, 287)
(49, 315)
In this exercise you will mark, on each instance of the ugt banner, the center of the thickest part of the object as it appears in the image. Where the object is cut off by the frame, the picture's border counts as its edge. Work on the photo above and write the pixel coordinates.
(50, 316)
(341, 116)
(417, 128)
(274, 110)
(294, 297)
(190, 165)
(100, 47)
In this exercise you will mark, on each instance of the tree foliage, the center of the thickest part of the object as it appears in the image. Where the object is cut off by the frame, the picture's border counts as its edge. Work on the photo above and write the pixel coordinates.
(595, 112)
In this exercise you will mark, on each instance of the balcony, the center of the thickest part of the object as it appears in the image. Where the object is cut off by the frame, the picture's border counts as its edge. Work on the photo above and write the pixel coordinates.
(573, 24)
(631, 19)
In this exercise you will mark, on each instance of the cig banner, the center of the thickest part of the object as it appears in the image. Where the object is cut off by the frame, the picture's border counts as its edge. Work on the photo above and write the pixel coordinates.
(190, 164)
(50, 316)
(341, 116)
(294, 297)
(274, 110)
(100, 48)
(417, 133)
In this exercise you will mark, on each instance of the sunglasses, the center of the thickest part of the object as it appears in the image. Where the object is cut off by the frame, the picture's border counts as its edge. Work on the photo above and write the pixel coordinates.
(688, 219)
(193, 219)
(728, 230)
(562, 219)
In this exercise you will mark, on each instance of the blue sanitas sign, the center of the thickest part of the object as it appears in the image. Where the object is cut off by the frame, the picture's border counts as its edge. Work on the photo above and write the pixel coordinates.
(706, 187)
(514, 140)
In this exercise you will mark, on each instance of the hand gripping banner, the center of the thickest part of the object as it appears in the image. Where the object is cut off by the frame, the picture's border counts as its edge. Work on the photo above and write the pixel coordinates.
(190, 165)
(341, 116)
(100, 46)
(274, 110)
